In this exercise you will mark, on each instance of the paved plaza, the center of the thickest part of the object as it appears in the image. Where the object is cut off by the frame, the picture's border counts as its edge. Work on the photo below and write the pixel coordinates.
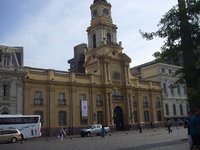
(130, 140)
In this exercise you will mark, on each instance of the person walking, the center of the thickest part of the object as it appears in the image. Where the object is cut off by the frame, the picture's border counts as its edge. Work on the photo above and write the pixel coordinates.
(187, 125)
(140, 128)
(103, 131)
(152, 125)
(195, 128)
(169, 124)
(62, 134)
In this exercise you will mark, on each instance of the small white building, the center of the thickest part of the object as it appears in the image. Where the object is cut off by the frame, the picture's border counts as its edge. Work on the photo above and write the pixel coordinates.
(174, 94)
(11, 80)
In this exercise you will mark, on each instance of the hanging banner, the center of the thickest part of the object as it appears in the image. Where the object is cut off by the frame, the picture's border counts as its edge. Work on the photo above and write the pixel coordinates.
(84, 109)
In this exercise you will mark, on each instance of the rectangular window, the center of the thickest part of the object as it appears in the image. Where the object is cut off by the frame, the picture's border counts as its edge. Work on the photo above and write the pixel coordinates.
(82, 97)
(179, 90)
(100, 117)
(167, 109)
(38, 100)
(185, 90)
(162, 70)
(172, 90)
(146, 116)
(181, 109)
(165, 88)
(145, 102)
(61, 99)
(99, 100)
(62, 118)
(135, 116)
(170, 71)
(159, 116)
(6, 90)
(134, 101)
(174, 109)
(6, 60)
(158, 104)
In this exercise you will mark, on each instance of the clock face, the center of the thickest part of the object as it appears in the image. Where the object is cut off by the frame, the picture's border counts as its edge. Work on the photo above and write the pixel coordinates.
(105, 12)
(94, 13)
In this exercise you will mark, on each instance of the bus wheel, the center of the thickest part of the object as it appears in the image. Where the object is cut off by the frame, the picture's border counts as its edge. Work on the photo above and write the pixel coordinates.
(14, 140)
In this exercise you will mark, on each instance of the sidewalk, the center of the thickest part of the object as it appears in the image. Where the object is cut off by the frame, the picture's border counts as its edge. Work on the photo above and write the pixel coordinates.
(123, 140)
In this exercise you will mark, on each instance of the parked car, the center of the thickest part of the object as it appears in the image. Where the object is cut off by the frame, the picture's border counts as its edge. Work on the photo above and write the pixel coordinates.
(10, 135)
(95, 129)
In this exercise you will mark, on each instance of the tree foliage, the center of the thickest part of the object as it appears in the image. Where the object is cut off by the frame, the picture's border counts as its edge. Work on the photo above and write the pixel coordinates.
(180, 27)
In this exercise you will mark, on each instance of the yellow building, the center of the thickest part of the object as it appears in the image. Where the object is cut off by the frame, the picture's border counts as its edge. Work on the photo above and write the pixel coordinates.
(107, 93)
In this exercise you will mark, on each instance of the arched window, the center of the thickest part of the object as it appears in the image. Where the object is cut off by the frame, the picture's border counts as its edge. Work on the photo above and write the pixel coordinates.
(108, 38)
(94, 41)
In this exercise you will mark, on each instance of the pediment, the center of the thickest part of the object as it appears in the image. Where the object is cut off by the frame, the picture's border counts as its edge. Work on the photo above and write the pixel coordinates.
(125, 57)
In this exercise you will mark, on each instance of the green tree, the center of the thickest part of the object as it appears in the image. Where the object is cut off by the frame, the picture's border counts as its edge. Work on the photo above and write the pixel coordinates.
(180, 27)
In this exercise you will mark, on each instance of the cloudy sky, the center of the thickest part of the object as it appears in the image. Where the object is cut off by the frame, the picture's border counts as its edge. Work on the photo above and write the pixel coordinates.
(49, 29)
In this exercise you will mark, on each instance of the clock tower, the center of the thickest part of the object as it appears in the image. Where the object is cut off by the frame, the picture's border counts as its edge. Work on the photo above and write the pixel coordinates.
(104, 54)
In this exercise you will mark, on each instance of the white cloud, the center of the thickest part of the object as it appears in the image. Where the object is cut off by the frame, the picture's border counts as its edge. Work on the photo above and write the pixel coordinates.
(49, 36)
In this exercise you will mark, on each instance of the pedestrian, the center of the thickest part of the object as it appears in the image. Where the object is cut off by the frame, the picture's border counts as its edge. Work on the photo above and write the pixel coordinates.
(140, 128)
(195, 128)
(151, 125)
(187, 125)
(62, 134)
(169, 124)
(103, 131)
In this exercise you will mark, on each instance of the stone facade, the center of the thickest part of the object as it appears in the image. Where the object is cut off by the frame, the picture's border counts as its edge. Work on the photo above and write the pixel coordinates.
(107, 93)
(57, 96)
(11, 80)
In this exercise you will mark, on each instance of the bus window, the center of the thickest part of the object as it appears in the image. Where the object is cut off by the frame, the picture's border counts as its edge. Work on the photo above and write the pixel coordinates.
(32, 132)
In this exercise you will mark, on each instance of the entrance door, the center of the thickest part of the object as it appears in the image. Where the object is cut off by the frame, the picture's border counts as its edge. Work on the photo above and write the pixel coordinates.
(118, 118)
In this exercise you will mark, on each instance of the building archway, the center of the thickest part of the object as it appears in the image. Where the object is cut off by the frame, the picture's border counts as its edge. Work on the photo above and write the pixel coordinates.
(118, 118)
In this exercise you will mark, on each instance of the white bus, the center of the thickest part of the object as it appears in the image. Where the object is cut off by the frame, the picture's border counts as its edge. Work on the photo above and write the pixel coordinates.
(28, 125)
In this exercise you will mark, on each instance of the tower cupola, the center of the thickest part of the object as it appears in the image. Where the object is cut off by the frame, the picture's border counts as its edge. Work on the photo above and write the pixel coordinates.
(95, 1)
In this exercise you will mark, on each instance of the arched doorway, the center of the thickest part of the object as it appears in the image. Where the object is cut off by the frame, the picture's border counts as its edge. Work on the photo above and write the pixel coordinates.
(118, 118)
